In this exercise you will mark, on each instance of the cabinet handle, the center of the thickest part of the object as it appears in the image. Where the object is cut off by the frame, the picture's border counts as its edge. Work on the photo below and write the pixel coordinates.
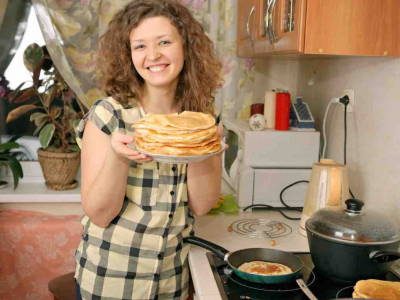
(271, 23)
(266, 19)
(248, 25)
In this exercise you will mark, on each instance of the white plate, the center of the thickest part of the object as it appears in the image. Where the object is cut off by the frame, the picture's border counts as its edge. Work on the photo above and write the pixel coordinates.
(173, 159)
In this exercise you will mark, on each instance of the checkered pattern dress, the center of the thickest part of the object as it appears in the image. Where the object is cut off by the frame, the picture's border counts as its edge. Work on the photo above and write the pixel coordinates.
(141, 254)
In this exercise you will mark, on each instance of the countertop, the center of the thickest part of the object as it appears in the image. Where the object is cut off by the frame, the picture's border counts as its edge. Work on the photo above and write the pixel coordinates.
(214, 228)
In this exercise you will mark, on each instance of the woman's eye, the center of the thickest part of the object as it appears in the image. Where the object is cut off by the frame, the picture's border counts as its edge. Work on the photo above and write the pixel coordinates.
(164, 42)
(139, 47)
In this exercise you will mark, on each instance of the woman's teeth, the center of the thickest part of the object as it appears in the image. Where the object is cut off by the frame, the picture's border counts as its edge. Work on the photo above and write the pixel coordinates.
(157, 69)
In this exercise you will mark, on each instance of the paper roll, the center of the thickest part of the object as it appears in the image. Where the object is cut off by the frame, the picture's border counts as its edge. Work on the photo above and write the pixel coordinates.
(269, 109)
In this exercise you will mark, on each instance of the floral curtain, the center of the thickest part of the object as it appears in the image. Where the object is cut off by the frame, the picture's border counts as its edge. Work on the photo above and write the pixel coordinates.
(72, 29)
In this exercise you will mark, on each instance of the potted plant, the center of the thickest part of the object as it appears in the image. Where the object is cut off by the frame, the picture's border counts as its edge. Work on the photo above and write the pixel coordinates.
(56, 112)
(8, 158)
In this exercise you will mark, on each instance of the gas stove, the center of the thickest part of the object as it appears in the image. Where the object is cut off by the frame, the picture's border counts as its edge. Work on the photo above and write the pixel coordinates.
(231, 287)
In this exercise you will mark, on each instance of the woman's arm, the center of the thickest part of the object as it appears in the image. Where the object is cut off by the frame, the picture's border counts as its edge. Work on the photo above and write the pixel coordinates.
(104, 172)
(204, 184)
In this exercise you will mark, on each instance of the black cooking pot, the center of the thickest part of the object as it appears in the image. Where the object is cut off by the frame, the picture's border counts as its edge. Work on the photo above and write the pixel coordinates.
(350, 245)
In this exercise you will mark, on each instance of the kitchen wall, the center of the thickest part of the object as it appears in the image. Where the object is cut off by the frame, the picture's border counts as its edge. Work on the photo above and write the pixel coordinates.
(373, 136)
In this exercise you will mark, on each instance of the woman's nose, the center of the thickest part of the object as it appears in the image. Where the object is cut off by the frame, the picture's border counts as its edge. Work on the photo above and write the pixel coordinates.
(153, 53)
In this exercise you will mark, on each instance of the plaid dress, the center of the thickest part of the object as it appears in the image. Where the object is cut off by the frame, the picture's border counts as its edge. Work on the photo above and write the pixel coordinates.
(141, 254)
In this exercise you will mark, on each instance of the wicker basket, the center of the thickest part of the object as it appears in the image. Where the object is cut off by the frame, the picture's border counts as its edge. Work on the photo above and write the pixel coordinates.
(59, 169)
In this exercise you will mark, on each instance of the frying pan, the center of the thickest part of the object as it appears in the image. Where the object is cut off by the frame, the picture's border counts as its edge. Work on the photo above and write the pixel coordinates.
(237, 258)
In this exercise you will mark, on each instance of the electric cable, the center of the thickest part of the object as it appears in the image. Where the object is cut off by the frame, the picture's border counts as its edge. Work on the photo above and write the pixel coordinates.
(345, 101)
(283, 202)
(334, 100)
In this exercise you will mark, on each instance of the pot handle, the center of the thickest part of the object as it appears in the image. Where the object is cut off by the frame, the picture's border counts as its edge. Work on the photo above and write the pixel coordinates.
(305, 289)
(219, 251)
(384, 256)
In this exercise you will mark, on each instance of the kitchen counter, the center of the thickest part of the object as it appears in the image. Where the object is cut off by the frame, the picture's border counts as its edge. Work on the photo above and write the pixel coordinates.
(214, 228)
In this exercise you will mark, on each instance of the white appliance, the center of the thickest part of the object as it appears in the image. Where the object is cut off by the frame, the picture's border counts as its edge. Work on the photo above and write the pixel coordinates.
(259, 164)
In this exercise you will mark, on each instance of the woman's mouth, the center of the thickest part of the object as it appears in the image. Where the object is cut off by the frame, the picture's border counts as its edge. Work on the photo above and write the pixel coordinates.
(157, 69)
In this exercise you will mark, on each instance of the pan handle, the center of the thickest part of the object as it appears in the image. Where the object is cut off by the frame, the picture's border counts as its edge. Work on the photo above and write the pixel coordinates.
(305, 289)
(384, 256)
(219, 251)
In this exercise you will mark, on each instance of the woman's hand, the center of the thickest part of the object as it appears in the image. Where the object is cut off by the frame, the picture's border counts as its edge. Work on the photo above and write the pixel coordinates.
(119, 143)
(220, 135)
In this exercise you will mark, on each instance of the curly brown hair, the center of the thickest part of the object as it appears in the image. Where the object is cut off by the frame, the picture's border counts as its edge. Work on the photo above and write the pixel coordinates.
(201, 73)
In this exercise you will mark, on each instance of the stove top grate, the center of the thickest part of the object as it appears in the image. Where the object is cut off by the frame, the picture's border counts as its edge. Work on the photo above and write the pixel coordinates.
(260, 228)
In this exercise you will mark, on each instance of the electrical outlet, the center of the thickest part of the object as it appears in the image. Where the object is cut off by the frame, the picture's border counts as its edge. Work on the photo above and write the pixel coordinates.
(350, 93)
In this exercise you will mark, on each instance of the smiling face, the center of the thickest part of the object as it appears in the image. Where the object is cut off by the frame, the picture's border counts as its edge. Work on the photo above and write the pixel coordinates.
(157, 52)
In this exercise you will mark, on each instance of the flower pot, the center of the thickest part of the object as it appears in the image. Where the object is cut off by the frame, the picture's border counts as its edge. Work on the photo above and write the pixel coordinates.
(59, 169)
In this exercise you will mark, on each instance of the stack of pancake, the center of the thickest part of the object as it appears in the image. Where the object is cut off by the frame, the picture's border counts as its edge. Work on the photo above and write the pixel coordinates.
(379, 289)
(185, 134)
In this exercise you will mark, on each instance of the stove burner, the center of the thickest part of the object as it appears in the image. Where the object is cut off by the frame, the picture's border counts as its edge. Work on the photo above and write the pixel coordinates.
(261, 228)
(281, 287)
(346, 292)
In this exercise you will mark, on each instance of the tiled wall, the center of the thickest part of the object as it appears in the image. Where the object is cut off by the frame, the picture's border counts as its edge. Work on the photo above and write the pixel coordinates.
(373, 145)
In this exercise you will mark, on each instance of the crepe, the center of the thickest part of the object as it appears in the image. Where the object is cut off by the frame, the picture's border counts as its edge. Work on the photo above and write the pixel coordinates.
(180, 151)
(190, 137)
(265, 268)
(187, 120)
(185, 134)
(379, 289)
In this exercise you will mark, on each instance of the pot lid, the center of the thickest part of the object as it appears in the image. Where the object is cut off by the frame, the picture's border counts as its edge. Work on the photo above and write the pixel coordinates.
(353, 225)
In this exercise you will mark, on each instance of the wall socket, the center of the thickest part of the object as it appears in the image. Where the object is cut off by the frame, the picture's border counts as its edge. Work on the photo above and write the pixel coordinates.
(350, 93)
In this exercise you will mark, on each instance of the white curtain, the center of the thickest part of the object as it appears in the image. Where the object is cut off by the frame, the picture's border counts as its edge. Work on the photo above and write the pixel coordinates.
(72, 29)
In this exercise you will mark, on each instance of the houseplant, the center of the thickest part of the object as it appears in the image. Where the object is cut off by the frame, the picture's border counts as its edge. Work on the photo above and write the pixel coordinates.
(56, 112)
(8, 158)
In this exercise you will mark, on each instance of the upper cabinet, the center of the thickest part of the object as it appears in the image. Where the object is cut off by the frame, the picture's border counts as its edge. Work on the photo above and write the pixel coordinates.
(246, 27)
(330, 27)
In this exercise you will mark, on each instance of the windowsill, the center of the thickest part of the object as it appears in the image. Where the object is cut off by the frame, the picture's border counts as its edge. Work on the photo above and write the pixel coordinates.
(32, 189)
(37, 192)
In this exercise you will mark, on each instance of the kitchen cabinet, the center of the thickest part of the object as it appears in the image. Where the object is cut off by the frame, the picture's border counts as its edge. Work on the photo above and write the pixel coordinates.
(245, 30)
(320, 27)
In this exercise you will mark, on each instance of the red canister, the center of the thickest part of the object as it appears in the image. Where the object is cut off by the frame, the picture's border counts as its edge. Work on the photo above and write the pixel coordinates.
(282, 111)
(257, 108)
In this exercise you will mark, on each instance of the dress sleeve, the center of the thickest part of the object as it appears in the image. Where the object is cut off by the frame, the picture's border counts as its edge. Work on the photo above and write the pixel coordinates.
(217, 116)
(104, 115)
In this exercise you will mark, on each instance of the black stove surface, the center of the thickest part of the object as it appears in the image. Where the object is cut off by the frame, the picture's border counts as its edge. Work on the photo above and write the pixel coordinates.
(232, 287)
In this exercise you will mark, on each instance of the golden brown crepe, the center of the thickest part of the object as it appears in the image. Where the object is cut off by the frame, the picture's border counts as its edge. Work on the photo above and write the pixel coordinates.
(187, 120)
(378, 289)
(185, 134)
(265, 268)
(180, 151)
(152, 136)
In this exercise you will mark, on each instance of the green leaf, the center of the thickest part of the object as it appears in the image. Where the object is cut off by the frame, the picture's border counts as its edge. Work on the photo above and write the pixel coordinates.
(37, 115)
(74, 148)
(46, 134)
(14, 172)
(33, 55)
(15, 167)
(39, 124)
(9, 146)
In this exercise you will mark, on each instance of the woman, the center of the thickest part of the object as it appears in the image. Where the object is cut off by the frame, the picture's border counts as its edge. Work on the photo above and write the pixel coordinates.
(154, 58)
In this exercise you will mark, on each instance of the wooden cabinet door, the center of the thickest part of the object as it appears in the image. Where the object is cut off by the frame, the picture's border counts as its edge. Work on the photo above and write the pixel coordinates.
(351, 27)
(289, 26)
(246, 25)
(263, 44)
